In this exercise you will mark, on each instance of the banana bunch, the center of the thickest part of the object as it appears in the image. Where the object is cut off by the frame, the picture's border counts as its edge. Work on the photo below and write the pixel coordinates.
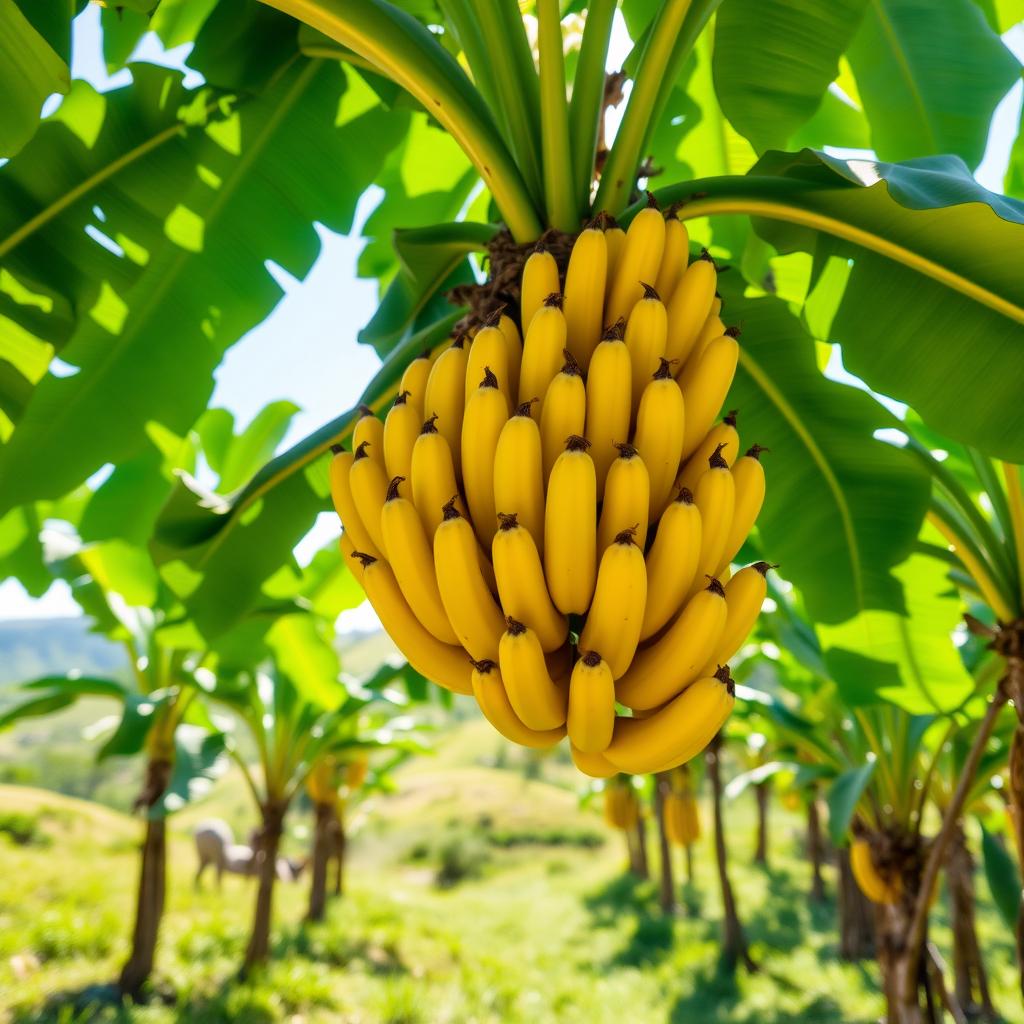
(547, 520)
(682, 818)
(877, 888)
(621, 808)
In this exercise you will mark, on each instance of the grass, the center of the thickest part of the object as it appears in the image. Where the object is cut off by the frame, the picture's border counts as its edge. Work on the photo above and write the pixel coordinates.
(546, 928)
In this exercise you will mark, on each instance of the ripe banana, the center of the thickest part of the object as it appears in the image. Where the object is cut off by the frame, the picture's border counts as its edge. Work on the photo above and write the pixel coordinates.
(519, 473)
(671, 663)
(671, 563)
(540, 280)
(673, 262)
(715, 497)
(401, 428)
(645, 340)
(723, 434)
(597, 766)
(489, 350)
(443, 664)
(466, 597)
(413, 562)
(744, 595)
(627, 499)
(369, 431)
(609, 400)
(688, 308)
(584, 294)
(414, 381)
(677, 732)
(615, 239)
(433, 476)
(489, 690)
(564, 411)
(521, 587)
(660, 426)
(345, 503)
(621, 809)
(570, 530)
(513, 353)
(486, 415)
(591, 718)
(542, 352)
(869, 879)
(748, 478)
(537, 701)
(639, 261)
(714, 327)
(617, 611)
(446, 396)
(369, 488)
(705, 391)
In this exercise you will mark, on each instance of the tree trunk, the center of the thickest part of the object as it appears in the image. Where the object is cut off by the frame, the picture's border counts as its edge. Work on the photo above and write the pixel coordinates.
(258, 950)
(1015, 685)
(667, 891)
(340, 849)
(761, 852)
(815, 848)
(971, 979)
(856, 917)
(149, 902)
(734, 942)
(689, 863)
(323, 847)
(638, 849)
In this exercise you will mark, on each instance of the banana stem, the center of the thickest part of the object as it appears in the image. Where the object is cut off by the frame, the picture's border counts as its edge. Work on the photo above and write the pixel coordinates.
(407, 53)
(972, 562)
(554, 121)
(587, 104)
(1015, 497)
(1006, 553)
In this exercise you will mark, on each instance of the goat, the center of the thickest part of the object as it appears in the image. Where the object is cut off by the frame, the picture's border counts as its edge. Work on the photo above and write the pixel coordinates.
(215, 844)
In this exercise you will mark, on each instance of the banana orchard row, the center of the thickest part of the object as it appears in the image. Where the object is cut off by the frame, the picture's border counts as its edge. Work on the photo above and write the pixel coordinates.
(548, 524)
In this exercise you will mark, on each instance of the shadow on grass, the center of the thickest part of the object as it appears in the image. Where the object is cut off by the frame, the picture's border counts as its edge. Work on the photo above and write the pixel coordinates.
(652, 932)
(319, 944)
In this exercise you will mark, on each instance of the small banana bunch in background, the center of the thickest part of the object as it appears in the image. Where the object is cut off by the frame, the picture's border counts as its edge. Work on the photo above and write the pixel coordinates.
(682, 817)
(547, 521)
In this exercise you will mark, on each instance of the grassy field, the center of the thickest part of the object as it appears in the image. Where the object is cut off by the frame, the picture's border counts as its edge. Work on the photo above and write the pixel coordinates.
(545, 926)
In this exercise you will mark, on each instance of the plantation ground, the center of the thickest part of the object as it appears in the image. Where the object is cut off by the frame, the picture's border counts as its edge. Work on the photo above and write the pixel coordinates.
(550, 930)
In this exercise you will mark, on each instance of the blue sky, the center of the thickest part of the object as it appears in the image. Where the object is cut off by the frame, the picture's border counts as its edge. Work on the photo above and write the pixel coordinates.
(286, 355)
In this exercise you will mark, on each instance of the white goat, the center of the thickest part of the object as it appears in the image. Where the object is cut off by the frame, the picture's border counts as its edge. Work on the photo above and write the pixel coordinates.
(215, 844)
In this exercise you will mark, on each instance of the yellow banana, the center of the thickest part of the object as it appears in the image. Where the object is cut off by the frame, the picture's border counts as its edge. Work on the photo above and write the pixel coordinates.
(744, 595)
(705, 392)
(489, 350)
(564, 411)
(595, 765)
(345, 503)
(519, 473)
(714, 327)
(673, 261)
(446, 397)
(660, 426)
(443, 664)
(537, 701)
(627, 499)
(466, 597)
(412, 562)
(671, 563)
(486, 415)
(671, 663)
(489, 690)
(748, 478)
(617, 611)
(401, 428)
(540, 280)
(677, 732)
(645, 339)
(542, 352)
(513, 353)
(615, 239)
(521, 587)
(369, 488)
(369, 431)
(591, 717)
(570, 530)
(621, 809)
(869, 879)
(715, 497)
(585, 281)
(688, 308)
(639, 261)
(433, 476)
(609, 400)
(414, 381)
(696, 465)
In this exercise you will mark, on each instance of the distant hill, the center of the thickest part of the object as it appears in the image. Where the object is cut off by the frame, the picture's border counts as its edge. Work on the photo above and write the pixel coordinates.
(38, 647)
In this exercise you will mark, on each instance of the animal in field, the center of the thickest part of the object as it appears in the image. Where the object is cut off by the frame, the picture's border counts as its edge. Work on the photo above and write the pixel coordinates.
(216, 846)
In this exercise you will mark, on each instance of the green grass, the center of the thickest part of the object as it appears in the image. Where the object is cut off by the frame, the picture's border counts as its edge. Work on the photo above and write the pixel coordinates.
(549, 930)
